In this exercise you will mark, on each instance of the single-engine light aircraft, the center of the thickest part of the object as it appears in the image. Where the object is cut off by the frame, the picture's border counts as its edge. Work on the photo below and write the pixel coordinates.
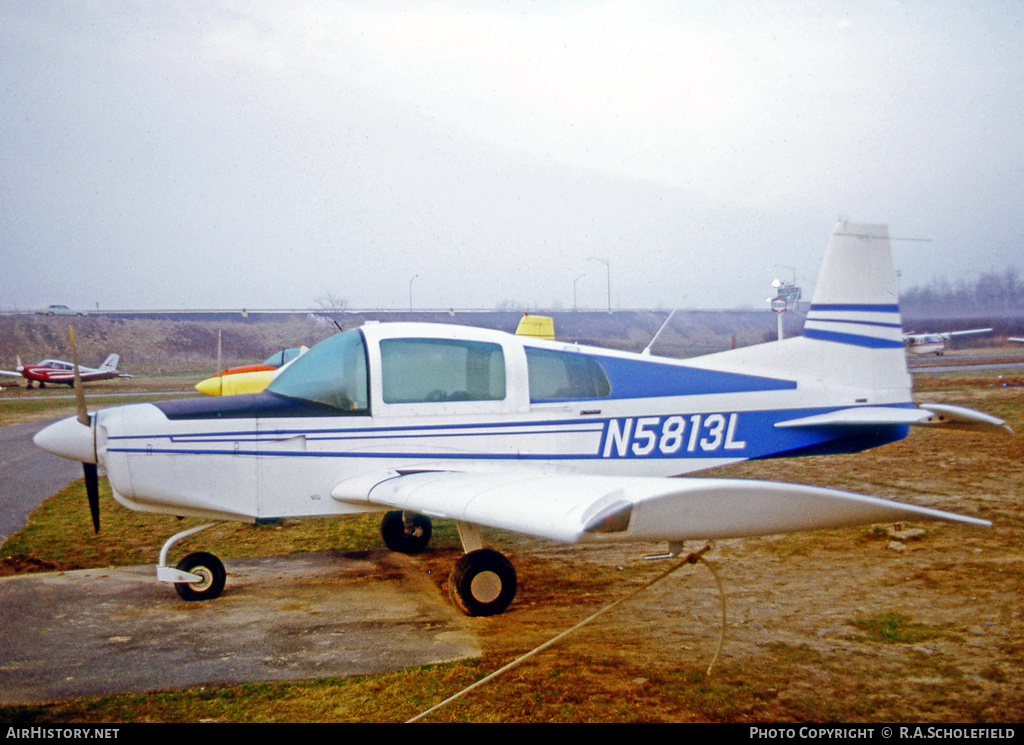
(59, 371)
(551, 439)
(249, 378)
(935, 343)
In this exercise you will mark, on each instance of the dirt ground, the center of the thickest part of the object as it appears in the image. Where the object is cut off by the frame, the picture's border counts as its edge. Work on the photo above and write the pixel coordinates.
(885, 623)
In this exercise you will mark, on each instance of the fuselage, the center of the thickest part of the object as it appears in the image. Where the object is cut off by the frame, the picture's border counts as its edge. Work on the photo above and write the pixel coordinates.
(926, 344)
(58, 371)
(406, 397)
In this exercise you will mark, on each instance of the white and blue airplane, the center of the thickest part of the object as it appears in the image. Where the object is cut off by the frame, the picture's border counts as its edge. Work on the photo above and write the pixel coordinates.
(545, 438)
(936, 343)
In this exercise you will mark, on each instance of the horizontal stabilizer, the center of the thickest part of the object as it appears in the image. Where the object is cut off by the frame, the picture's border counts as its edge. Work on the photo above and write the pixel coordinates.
(947, 416)
(572, 508)
(928, 415)
(864, 416)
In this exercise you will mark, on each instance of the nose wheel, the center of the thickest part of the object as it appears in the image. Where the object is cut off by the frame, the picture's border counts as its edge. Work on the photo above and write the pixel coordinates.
(211, 572)
(199, 576)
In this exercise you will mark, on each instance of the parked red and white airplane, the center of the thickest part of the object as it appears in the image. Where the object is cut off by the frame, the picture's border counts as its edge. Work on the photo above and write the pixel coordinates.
(59, 371)
(935, 343)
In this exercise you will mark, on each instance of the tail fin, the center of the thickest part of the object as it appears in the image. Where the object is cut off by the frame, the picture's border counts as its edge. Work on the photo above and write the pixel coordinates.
(110, 363)
(853, 333)
(855, 301)
(855, 313)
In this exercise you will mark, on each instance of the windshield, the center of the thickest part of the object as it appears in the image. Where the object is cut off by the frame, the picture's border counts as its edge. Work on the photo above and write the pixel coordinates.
(285, 355)
(333, 373)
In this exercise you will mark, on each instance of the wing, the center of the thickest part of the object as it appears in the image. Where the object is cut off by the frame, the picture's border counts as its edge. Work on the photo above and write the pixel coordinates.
(970, 331)
(573, 508)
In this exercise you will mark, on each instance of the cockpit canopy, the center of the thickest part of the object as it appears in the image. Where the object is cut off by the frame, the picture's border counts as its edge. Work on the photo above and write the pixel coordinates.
(278, 359)
(333, 373)
(431, 369)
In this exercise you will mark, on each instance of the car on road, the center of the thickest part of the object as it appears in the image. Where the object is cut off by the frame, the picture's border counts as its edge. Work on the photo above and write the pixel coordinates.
(60, 310)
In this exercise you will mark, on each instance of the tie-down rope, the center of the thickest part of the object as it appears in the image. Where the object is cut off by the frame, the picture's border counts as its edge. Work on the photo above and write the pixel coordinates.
(692, 558)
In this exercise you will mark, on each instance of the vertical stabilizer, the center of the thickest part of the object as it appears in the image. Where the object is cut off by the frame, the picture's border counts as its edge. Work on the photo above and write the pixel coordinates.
(855, 301)
(853, 334)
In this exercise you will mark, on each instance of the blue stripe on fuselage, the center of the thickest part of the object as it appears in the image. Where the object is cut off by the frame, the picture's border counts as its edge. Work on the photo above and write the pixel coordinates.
(741, 435)
(631, 378)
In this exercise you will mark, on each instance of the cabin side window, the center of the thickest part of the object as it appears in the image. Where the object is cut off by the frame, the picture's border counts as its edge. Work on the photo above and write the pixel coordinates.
(422, 370)
(333, 373)
(556, 376)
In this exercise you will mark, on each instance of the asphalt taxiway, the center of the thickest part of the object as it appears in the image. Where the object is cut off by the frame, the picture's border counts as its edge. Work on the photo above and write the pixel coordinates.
(302, 616)
(119, 630)
(28, 475)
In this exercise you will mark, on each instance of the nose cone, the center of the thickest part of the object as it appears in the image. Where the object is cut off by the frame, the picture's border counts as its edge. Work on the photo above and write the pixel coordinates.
(211, 386)
(68, 438)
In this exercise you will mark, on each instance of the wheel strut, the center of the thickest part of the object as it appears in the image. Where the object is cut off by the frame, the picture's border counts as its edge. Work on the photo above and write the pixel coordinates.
(199, 576)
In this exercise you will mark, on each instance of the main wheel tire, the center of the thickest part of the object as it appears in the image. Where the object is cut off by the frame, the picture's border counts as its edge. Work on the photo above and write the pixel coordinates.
(405, 534)
(483, 583)
(207, 566)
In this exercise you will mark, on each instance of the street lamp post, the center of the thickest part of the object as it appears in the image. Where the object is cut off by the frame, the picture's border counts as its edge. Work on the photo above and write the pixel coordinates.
(410, 289)
(574, 283)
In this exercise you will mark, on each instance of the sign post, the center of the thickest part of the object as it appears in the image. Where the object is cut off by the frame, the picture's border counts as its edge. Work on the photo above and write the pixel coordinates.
(779, 307)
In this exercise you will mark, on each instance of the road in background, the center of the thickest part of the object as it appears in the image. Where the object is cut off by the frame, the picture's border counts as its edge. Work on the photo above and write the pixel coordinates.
(28, 475)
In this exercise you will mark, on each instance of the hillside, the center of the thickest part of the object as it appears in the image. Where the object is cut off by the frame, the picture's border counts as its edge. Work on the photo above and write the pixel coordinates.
(149, 344)
(167, 343)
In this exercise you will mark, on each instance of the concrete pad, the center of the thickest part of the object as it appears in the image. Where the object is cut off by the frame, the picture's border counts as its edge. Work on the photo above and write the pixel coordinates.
(301, 616)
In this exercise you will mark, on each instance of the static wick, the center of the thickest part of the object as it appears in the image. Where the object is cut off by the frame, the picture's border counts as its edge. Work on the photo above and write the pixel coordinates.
(692, 558)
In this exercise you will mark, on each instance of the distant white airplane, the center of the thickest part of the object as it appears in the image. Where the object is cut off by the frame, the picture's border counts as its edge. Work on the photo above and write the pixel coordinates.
(935, 343)
(546, 438)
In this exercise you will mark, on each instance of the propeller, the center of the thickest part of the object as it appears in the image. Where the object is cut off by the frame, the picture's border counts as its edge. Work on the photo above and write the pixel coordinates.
(90, 470)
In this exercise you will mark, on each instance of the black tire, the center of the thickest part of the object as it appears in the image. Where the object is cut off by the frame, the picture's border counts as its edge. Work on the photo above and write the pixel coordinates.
(406, 536)
(210, 568)
(483, 583)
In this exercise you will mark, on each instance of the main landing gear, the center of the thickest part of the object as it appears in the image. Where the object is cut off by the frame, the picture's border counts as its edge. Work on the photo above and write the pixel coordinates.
(483, 582)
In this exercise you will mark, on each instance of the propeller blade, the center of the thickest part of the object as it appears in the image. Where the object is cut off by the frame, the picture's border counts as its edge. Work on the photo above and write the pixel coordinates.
(83, 413)
(90, 470)
(92, 490)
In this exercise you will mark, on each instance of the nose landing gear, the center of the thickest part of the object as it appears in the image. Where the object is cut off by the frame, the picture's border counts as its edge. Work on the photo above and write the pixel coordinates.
(209, 568)
(199, 576)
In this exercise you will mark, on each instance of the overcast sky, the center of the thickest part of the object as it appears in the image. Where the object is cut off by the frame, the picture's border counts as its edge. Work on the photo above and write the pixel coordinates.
(262, 154)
